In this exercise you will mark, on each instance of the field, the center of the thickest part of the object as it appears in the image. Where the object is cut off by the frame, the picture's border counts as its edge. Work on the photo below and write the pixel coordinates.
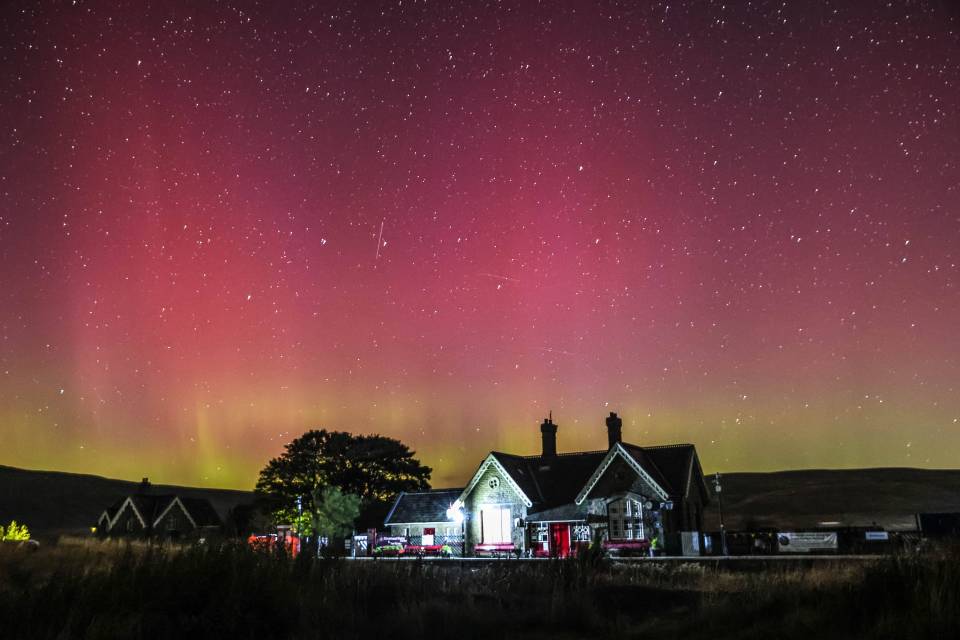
(85, 589)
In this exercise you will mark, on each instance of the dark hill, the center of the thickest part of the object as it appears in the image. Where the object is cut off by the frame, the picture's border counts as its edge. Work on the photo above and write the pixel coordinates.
(52, 502)
(855, 497)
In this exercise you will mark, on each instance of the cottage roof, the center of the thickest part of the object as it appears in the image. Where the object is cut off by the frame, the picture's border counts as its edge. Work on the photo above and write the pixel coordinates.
(553, 482)
(565, 512)
(201, 512)
(422, 506)
(112, 511)
(677, 464)
(149, 508)
(550, 481)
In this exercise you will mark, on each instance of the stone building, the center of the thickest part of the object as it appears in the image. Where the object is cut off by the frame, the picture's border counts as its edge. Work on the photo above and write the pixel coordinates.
(423, 517)
(629, 496)
(146, 514)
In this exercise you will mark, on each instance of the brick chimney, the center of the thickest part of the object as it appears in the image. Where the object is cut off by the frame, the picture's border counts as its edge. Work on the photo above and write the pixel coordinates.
(548, 431)
(614, 430)
(144, 486)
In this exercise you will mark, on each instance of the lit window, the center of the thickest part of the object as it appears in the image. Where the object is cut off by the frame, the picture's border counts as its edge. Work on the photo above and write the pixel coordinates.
(496, 525)
(626, 519)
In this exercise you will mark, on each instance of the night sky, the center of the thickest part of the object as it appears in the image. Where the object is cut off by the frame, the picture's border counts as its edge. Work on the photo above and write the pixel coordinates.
(222, 224)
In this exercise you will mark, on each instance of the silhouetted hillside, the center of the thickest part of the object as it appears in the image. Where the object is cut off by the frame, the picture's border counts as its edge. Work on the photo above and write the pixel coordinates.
(804, 499)
(52, 502)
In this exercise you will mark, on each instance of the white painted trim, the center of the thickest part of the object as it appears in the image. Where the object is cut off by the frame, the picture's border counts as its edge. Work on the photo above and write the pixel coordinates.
(626, 494)
(618, 450)
(686, 493)
(136, 512)
(487, 462)
(558, 521)
(176, 500)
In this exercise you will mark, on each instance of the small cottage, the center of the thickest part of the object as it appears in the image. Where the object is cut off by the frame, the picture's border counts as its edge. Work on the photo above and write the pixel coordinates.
(168, 516)
(424, 518)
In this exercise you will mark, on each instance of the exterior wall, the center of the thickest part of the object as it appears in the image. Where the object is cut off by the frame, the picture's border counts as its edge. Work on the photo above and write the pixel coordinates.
(416, 530)
(502, 496)
(174, 524)
(620, 477)
(127, 523)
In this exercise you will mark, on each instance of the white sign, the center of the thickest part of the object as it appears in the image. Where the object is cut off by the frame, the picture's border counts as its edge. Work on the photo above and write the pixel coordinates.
(877, 535)
(806, 541)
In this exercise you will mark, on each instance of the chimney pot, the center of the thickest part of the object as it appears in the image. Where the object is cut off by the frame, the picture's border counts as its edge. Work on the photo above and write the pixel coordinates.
(614, 430)
(548, 432)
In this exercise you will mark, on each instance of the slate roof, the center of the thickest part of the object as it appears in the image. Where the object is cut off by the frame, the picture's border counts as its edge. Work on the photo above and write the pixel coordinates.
(201, 511)
(150, 507)
(552, 484)
(422, 506)
(564, 512)
(672, 463)
(113, 509)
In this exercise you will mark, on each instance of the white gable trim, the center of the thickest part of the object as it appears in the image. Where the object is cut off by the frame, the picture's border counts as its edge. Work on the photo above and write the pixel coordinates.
(618, 450)
(176, 500)
(136, 512)
(491, 460)
(686, 494)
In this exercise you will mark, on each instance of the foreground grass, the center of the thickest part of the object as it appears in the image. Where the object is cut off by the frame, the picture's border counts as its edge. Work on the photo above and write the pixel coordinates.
(111, 590)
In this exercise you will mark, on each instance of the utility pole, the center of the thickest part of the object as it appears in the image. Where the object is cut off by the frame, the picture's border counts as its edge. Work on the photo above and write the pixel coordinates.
(723, 532)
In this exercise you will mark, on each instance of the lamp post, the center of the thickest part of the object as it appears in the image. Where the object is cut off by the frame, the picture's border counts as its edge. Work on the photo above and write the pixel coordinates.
(723, 532)
(299, 518)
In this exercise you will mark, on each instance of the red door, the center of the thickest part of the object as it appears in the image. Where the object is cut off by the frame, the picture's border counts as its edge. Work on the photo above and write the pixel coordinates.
(559, 540)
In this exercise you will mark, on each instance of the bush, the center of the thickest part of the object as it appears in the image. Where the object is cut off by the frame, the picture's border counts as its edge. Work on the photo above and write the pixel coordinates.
(14, 532)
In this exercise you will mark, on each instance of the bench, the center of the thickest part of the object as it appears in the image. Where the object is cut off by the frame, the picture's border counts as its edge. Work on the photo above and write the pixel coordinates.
(627, 547)
(425, 550)
(495, 550)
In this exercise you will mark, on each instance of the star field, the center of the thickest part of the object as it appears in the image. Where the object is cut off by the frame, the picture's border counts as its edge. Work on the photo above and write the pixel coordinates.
(222, 224)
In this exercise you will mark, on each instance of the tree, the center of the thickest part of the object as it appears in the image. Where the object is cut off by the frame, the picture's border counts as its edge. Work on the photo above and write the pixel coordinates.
(334, 512)
(14, 532)
(374, 468)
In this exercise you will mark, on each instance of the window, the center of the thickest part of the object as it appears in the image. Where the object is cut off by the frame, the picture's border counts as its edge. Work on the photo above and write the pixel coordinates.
(494, 482)
(626, 519)
(496, 525)
(541, 534)
(581, 533)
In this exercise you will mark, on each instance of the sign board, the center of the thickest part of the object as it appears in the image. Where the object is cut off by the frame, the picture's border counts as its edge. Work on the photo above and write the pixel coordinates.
(876, 535)
(806, 541)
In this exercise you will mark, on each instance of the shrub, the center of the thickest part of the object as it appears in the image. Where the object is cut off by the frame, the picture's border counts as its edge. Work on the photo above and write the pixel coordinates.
(14, 532)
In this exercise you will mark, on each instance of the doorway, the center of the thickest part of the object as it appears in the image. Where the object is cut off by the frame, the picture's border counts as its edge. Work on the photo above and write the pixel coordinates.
(559, 539)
